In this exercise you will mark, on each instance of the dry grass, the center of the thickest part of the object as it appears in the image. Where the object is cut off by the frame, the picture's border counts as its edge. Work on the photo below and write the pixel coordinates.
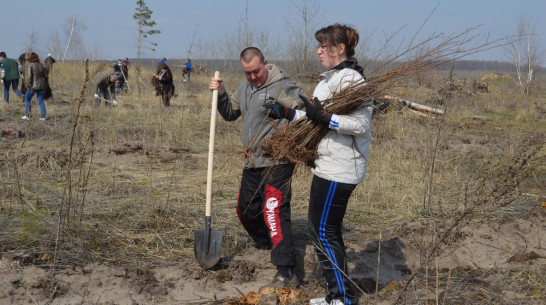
(139, 169)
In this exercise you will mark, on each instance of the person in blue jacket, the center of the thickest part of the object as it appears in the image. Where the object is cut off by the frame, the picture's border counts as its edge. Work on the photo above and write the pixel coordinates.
(162, 61)
(187, 70)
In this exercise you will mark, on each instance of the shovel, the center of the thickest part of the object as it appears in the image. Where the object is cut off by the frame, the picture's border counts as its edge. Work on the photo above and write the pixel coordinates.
(208, 242)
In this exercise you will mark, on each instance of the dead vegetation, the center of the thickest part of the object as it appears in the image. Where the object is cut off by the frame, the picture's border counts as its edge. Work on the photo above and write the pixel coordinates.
(108, 198)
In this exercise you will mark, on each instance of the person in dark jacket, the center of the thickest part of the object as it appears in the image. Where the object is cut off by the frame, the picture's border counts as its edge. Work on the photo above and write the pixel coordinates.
(35, 83)
(263, 204)
(105, 89)
(166, 84)
(22, 58)
(121, 70)
(48, 62)
(11, 76)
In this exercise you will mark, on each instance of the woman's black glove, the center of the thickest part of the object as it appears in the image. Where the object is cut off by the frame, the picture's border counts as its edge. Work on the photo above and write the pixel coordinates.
(278, 111)
(315, 112)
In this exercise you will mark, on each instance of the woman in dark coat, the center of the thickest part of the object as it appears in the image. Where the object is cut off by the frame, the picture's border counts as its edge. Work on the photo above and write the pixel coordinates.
(166, 85)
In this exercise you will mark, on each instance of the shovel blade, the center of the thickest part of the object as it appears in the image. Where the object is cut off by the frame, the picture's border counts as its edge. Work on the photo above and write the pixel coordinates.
(208, 247)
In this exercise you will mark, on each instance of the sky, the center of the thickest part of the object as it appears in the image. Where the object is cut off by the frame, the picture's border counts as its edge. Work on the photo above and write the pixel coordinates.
(111, 32)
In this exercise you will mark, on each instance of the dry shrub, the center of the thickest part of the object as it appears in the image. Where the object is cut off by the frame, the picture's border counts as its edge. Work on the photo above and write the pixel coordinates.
(298, 141)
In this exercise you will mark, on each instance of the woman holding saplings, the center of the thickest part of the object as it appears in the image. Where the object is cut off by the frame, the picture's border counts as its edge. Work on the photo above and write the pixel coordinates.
(166, 84)
(342, 157)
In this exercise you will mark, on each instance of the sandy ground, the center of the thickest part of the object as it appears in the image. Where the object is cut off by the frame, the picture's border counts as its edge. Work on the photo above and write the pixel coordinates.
(495, 249)
(500, 261)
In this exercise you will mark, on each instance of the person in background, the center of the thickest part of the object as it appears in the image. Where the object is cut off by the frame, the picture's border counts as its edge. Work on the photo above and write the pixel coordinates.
(122, 72)
(11, 76)
(3, 73)
(263, 204)
(162, 61)
(22, 58)
(36, 83)
(166, 84)
(342, 158)
(49, 61)
(187, 70)
(105, 89)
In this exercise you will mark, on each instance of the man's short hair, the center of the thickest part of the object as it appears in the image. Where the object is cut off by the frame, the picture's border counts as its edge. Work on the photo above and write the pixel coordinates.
(3, 54)
(251, 52)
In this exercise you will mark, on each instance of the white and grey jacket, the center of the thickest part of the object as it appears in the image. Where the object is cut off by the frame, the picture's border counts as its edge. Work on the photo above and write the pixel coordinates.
(343, 152)
(248, 102)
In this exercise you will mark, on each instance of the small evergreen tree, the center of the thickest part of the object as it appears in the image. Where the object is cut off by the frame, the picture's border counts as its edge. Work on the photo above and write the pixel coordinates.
(143, 17)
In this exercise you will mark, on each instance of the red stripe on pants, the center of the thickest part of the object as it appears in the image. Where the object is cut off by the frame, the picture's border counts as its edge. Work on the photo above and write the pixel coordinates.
(273, 199)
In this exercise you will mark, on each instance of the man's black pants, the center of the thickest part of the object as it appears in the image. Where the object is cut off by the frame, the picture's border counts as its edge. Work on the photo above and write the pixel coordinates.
(263, 208)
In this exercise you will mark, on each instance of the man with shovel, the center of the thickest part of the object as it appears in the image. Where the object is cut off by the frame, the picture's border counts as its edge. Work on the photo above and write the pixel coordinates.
(263, 205)
(105, 89)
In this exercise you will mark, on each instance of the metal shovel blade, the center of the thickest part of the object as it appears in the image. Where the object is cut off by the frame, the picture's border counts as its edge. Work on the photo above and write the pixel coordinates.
(208, 245)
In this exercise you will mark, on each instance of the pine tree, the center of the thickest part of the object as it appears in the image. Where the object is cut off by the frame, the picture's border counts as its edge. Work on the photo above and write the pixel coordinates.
(142, 16)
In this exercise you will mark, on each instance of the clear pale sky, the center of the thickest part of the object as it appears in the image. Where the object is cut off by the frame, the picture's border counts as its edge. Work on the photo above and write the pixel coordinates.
(112, 31)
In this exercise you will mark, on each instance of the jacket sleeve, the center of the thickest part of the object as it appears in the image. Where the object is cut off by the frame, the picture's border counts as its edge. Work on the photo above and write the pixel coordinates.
(289, 96)
(357, 123)
(228, 108)
(167, 78)
(28, 77)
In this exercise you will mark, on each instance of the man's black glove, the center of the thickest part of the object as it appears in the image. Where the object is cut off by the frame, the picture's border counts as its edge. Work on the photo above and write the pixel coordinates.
(278, 111)
(315, 112)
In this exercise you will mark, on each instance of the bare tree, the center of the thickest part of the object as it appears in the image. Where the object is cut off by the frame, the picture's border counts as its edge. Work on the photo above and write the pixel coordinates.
(247, 33)
(526, 53)
(54, 44)
(73, 37)
(245, 36)
(32, 42)
(192, 43)
(301, 40)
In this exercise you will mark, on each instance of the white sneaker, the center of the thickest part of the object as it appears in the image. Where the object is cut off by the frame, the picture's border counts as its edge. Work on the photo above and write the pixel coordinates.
(322, 301)
(318, 301)
(24, 117)
(42, 119)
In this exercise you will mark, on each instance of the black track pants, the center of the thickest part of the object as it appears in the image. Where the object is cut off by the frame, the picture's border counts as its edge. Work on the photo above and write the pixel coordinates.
(263, 208)
(327, 206)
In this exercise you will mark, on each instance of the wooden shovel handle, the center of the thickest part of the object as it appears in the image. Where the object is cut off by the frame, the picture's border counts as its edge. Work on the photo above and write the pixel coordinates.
(210, 165)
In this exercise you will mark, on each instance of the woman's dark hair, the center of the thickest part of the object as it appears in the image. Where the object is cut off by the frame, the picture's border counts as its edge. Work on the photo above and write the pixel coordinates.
(335, 34)
(33, 57)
